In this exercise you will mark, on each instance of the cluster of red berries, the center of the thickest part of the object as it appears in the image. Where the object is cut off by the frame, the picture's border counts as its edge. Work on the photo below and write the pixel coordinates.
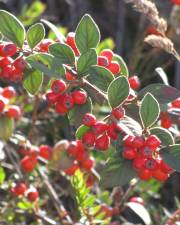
(11, 69)
(21, 189)
(105, 59)
(6, 96)
(100, 132)
(145, 157)
(63, 100)
(31, 156)
(80, 158)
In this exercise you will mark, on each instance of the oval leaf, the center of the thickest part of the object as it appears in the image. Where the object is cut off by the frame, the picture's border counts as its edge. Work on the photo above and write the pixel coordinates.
(149, 110)
(12, 28)
(124, 69)
(163, 93)
(32, 81)
(35, 34)
(118, 91)
(100, 77)
(6, 127)
(85, 61)
(171, 156)
(81, 131)
(164, 135)
(76, 114)
(87, 34)
(63, 52)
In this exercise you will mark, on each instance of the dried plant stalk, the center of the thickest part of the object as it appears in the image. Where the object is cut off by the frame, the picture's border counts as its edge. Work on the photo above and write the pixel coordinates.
(163, 43)
(149, 9)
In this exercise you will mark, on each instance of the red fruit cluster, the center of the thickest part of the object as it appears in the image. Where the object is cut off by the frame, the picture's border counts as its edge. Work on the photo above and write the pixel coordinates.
(105, 59)
(11, 111)
(145, 157)
(100, 132)
(21, 189)
(81, 158)
(11, 69)
(165, 120)
(134, 82)
(31, 156)
(65, 100)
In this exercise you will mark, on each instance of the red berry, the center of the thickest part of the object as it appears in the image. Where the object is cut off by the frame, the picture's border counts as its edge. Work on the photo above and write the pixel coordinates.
(165, 120)
(16, 75)
(137, 200)
(89, 119)
(134, 82)
(44, 45)
(70, 40)
(81, 154)
(153, 142)
(129, 153)
(52, 97)
(138, 142)
(88, 164)
(71, 170)
(128, 140)
(138, 163)
(69, 76)
(176, 103)
(79, 97)
(45, 151)
(99, 127)
(28, 163)
(113, 130)
(107, 53)
(7, 72)
(114, 67)
(151, 164)
(20, 63)
(160, 175)
(102, 143)
(19, 189)
(2, 104)
(9, 49)
(89, 138)
(67, 101)
(60, 108)
(145, 151)
(14, 112)
(103, 61)
(118, 112)
(176, 2)
(5, 61)
(58, 86)
(8, 92)
(32, 196)
(165, 167)
(145, 174)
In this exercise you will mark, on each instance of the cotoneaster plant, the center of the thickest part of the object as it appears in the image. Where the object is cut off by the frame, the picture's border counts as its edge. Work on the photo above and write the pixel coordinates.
(73, 79)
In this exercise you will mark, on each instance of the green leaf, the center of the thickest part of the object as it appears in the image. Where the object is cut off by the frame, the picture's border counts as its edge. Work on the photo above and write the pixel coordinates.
(47, 64)
(118, 91)
(100, 77)
(171, 156)
(12, 28)
(6, 127)
(81, 131)
(76, 114)
(25, 205)
(124, 69)
(164, 135)
(35, 34)
(149, 110)
(87, 34)
(107, 43)
(163, 93)
(63, 52)
(85, 61)
(116, 172)
(2, 175)
(32, 81)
